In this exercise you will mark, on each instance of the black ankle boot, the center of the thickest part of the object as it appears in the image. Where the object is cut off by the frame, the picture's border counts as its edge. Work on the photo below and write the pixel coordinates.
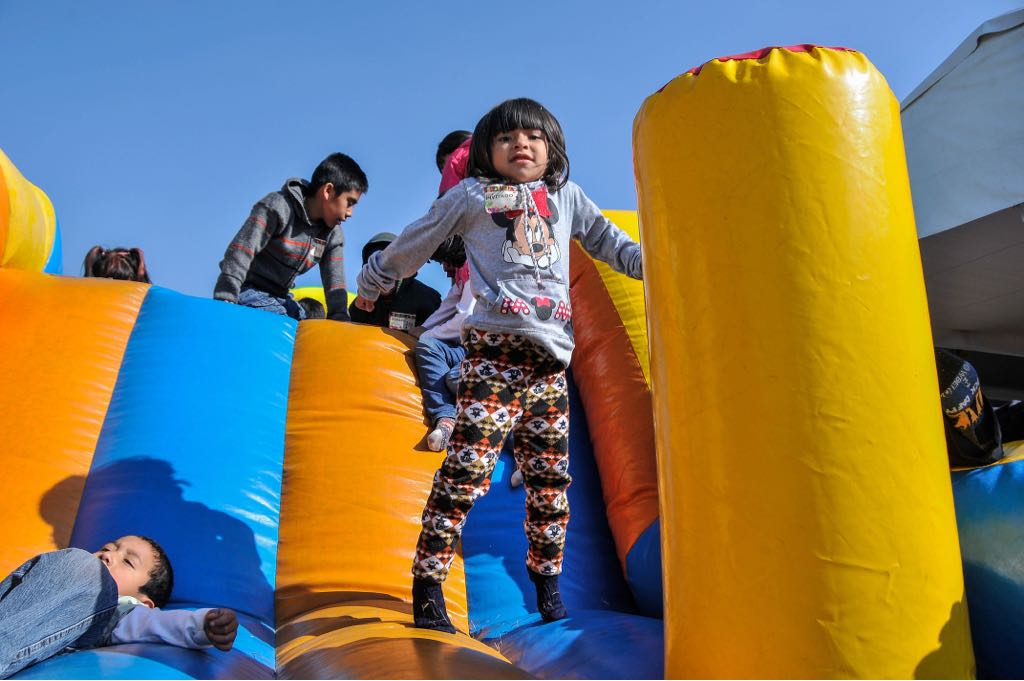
(428, 609)
(549, 599)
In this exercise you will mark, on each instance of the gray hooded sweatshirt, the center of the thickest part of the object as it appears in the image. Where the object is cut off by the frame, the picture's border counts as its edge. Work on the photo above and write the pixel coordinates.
(277, 243)
(517, 243)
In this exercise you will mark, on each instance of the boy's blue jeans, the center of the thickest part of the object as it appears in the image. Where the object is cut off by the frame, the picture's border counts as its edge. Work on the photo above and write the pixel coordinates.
(261, 300)
(55, 601)
(438, 365)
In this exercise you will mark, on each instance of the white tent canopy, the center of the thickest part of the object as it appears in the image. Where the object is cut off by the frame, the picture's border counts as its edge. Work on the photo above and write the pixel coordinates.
(964, 133)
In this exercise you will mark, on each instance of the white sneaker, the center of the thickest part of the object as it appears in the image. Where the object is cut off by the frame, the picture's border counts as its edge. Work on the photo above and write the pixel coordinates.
(438, 438)
(516, 478)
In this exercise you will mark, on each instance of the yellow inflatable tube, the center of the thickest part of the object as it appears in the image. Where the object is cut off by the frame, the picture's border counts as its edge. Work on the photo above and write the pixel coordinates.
(809, 527)
(27, 222)
(357, 478)
(316, 293)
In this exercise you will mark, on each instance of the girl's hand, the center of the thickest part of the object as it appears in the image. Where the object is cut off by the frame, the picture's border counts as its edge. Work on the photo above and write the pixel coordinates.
(364, 304)
(221, 626)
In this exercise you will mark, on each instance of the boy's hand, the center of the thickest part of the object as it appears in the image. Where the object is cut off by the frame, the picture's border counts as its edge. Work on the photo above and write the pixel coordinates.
(364, 304)
(417, 332)
(220, 626)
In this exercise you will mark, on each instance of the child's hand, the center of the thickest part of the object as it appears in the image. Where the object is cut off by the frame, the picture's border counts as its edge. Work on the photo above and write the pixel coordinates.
(364, 304)
(220, 626)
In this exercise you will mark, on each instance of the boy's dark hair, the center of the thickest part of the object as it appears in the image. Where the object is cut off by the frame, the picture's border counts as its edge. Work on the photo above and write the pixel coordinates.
(127, 264)
(313, 307)
(452, 251)
(513, 114)
(450, 143)
(161, 577)
(341, 171)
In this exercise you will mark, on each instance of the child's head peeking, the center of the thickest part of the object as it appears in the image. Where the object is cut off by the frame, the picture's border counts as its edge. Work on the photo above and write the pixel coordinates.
(519, 140)
(140, 569)
(450, 143)
(126, 264)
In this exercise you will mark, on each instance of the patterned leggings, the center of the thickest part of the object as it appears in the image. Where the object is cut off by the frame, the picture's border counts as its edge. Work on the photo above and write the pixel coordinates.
(507, 383)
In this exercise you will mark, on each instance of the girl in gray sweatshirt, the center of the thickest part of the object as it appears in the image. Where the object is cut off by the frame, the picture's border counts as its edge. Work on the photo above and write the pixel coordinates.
(516, 213)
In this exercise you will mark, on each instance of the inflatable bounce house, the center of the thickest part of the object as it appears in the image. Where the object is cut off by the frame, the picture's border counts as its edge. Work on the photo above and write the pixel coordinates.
(760, 478)
(965, 139)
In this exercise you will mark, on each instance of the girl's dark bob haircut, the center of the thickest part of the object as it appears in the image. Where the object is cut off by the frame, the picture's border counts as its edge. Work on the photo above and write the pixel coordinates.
(514, 114)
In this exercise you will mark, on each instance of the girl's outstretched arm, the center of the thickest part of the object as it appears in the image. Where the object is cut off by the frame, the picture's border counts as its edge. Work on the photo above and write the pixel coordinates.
(405, 255)
(602, 239)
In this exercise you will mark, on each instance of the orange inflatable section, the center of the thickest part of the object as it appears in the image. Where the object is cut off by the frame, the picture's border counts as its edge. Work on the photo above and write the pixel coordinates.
(617, 400)
(356, 478)
(5, 213)
(65, 370)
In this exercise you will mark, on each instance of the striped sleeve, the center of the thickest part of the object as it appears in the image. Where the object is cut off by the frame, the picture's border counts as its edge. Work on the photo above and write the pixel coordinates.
(261, 225)
(332, 272)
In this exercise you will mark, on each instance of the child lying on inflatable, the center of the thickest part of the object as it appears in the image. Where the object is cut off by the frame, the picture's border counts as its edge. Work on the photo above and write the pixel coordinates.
(72, 599)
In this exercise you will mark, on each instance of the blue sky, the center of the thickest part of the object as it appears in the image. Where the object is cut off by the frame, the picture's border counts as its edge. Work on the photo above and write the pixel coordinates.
(159, 124)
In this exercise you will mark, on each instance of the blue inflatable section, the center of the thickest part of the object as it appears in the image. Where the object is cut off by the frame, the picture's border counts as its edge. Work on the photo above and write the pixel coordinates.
(643, 571)
(990, 520)
(191, 454)
(603, 637)
(590, 644)
(153, 661)
(55, 263)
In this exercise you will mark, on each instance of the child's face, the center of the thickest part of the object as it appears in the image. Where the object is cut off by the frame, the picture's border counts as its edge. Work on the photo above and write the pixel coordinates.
(520, 155)
(337, 209)
(130, 560)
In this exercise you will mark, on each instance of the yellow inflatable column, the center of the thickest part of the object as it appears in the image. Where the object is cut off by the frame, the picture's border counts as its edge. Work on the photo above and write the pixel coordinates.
(27, 221)
(808, 522)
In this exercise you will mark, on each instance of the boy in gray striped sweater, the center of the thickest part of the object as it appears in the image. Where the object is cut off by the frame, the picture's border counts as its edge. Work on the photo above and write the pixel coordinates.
(287, 233)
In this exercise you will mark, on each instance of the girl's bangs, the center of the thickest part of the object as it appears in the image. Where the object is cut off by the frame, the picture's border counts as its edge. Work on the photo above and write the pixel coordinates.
(518, 115)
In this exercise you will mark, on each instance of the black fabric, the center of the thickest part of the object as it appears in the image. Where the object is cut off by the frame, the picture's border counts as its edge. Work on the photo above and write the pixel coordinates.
(378, 242)
(428, 606)
(1011, 421)
(973, 434)
(549, 597)
(413, 297)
